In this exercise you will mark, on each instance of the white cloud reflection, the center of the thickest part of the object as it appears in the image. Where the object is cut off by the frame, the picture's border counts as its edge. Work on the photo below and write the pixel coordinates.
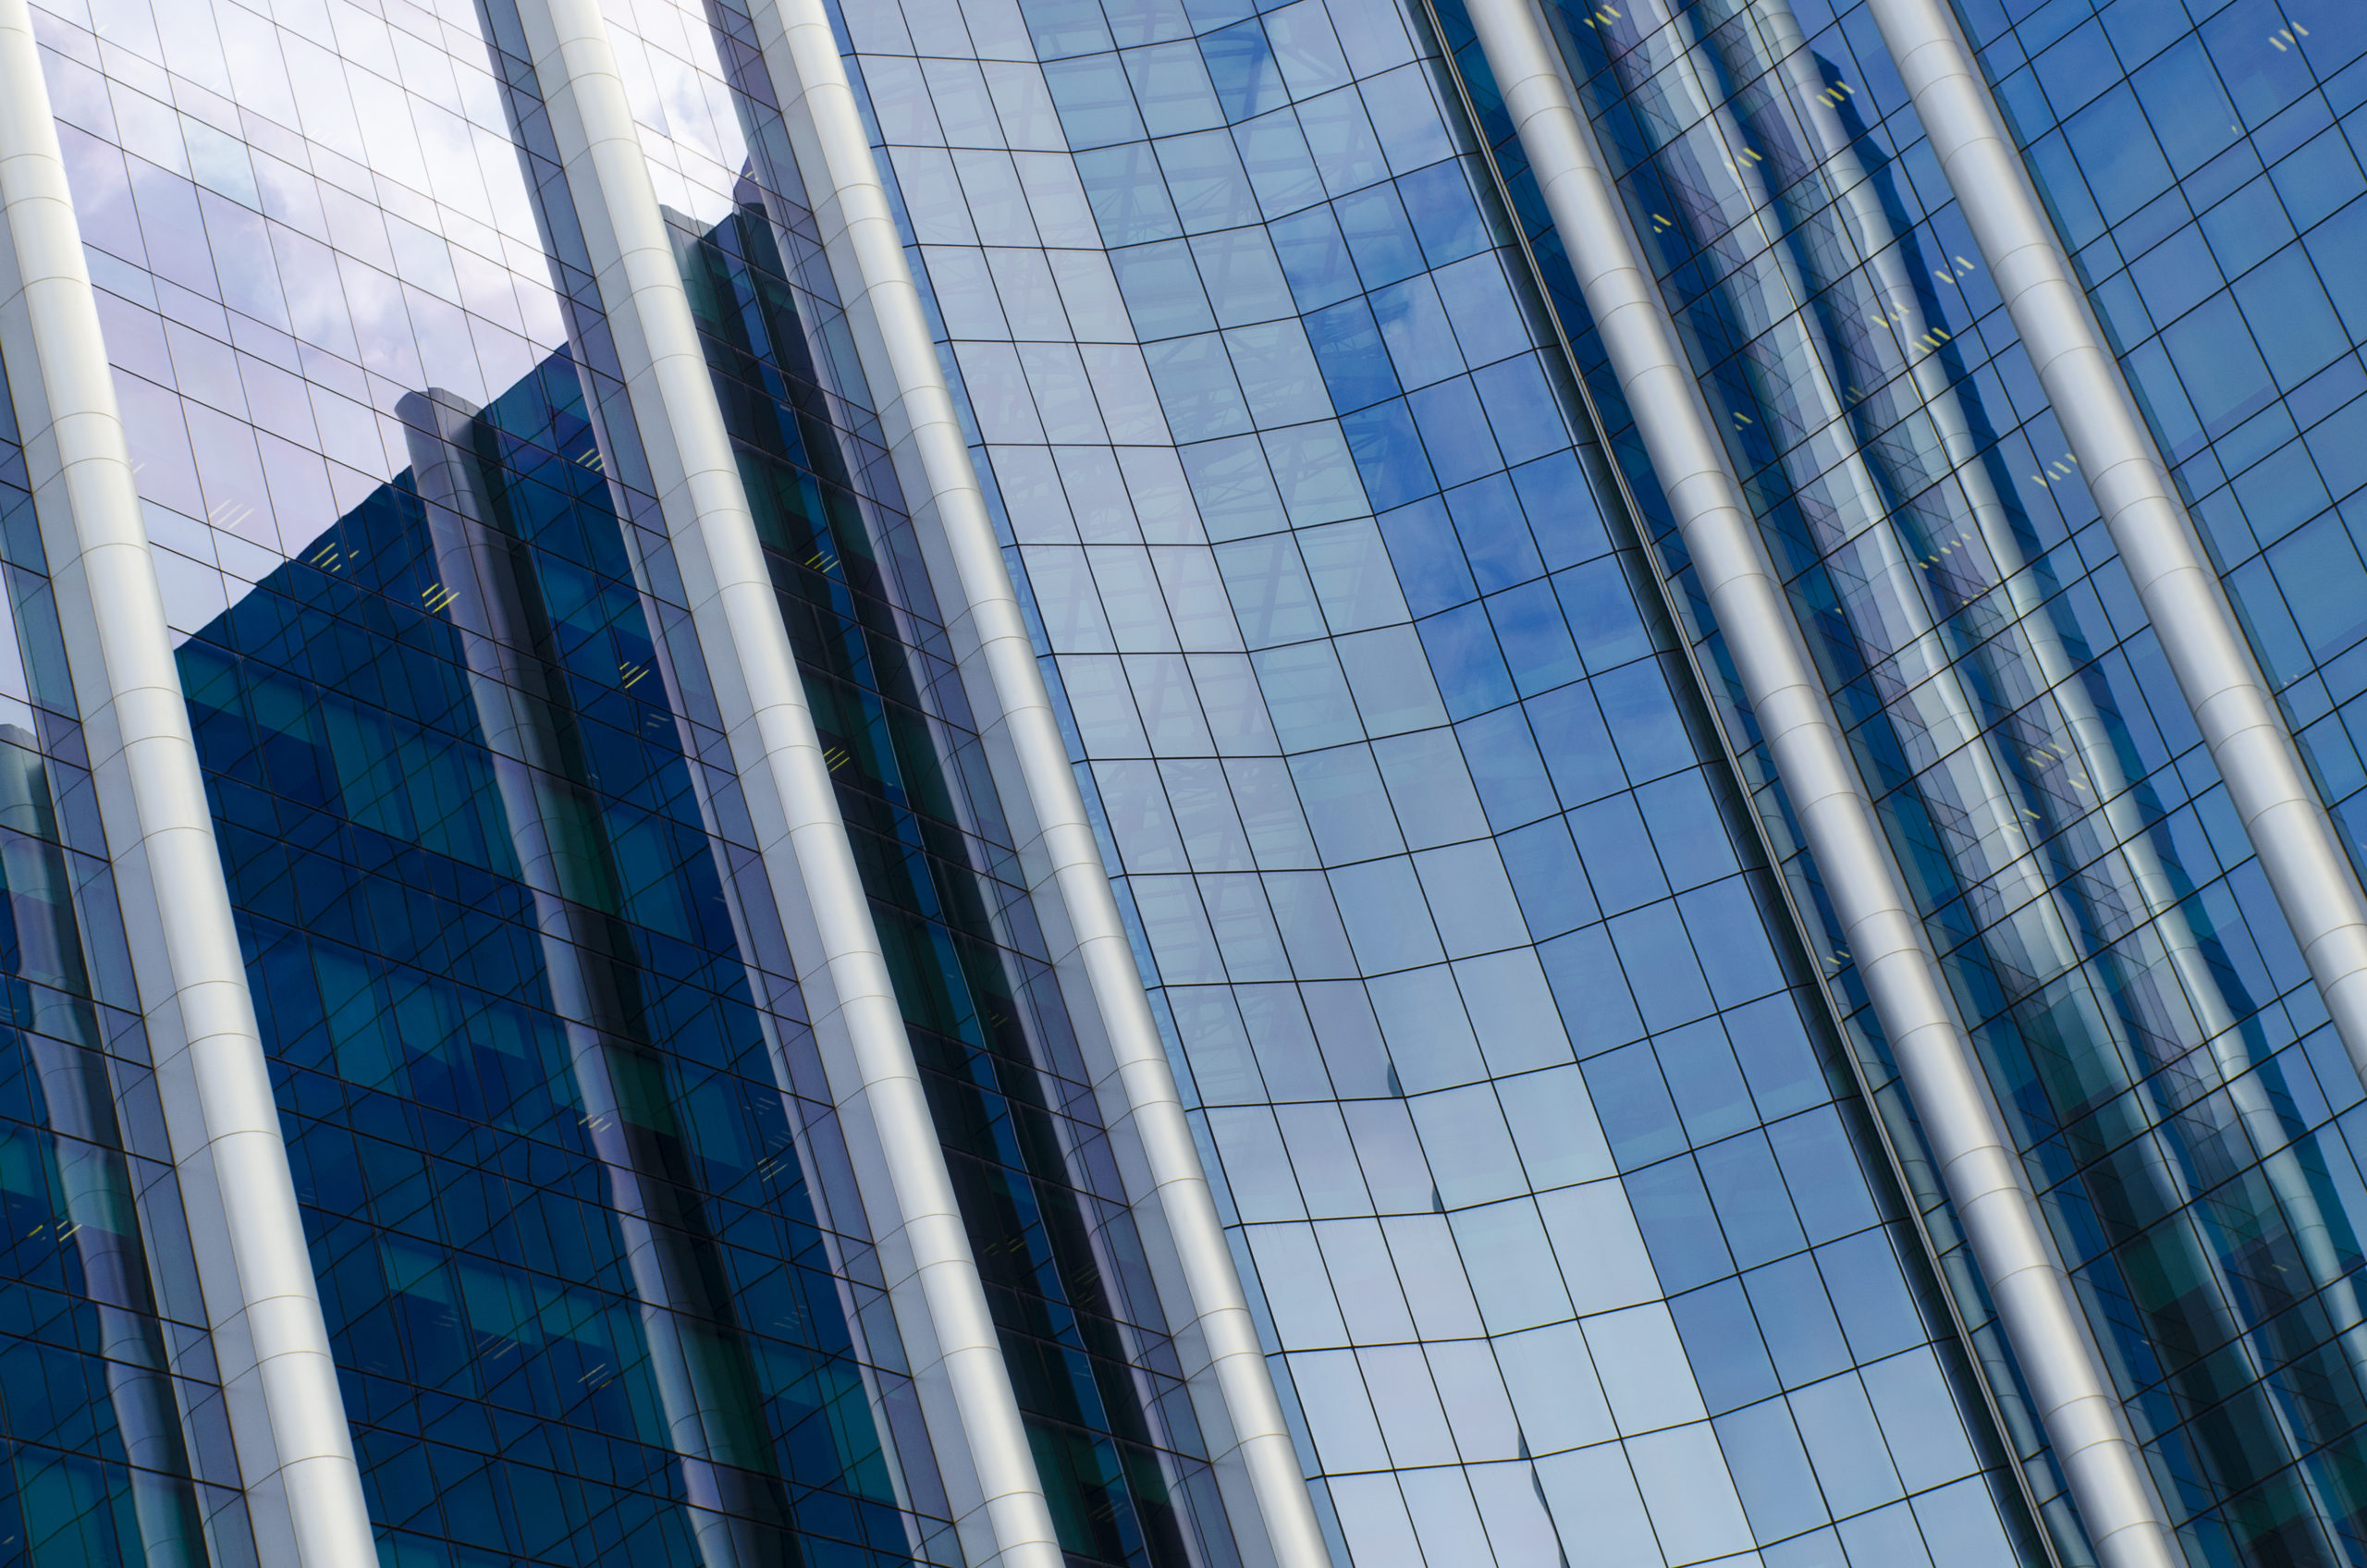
(328, 214)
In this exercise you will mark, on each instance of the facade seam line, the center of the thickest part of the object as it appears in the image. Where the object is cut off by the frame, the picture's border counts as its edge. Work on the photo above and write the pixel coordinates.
(1034, 774)
(2080, 1412)
(935, 1288)
(2316, 887)
(280, 1374)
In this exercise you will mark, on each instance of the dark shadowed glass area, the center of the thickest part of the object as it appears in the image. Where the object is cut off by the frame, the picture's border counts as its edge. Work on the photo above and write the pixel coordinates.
(560, 1204)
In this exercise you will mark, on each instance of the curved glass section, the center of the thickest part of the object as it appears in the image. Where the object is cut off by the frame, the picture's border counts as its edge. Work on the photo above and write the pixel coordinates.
(2147, 1025)
(1581, 1213)
(1567, 1232)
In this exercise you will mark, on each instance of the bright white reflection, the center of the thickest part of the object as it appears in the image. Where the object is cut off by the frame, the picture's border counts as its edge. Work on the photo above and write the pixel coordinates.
(296, 212)
(679, 98)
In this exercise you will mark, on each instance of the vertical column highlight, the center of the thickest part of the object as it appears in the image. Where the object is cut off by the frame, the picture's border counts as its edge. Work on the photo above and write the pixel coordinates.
(2083, 1416)
(287, 1416)
(1248, 1439)
(940, 1305)
(2250, 743)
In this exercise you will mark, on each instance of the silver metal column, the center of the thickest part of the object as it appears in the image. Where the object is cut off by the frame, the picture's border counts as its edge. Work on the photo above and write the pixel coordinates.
(287, 1418)
(1235, 1395)
(2131, 875)
(1984, 1178)
(2214, 667)
(940, 1305)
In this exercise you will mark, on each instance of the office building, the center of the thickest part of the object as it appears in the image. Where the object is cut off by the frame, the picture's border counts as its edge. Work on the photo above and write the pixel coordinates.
(1018, 783)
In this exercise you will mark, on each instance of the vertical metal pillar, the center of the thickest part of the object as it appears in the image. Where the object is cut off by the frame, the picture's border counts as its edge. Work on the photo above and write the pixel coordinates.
(287, 1416)
(1249, 1443)
(2312, 878)
(1984, 1177)
(933, 1278)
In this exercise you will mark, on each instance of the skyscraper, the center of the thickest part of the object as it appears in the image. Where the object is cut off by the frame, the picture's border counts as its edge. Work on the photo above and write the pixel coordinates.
(1186, 784)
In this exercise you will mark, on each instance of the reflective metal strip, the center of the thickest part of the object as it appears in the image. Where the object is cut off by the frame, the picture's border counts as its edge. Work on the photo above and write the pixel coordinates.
(1984, 1178)
(940, 1305)
(1215, 1334)
(2134, 866)
(287, 1418)
(2314, 883)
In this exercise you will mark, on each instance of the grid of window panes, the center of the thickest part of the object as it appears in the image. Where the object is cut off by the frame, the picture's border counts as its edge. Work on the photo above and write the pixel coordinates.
(114, 1440)
(1872, 1064)
(556, 1197)
(2042, 786)
(1097, 1375)
(592, 1266)
(2204, 164)
(1529, 1148)
(1055, 1244)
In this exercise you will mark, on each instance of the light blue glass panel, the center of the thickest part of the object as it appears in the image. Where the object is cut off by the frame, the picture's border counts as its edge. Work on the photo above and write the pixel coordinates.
(1429, 580)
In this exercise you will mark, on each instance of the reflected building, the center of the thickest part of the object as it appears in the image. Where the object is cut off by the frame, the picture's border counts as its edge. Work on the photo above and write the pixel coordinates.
(1171, 783)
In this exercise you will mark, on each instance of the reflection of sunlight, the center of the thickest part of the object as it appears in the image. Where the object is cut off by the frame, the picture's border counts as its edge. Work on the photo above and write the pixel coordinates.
(401, 250)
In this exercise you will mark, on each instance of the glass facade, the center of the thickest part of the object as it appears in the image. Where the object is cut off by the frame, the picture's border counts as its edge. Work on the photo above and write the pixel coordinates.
(2218, 264)
(588, 1254)
(1095, 1375)
(556, 1198)
(1521, 1094)
(1580, 1204)
(118, 1435)
(2144, 1017)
